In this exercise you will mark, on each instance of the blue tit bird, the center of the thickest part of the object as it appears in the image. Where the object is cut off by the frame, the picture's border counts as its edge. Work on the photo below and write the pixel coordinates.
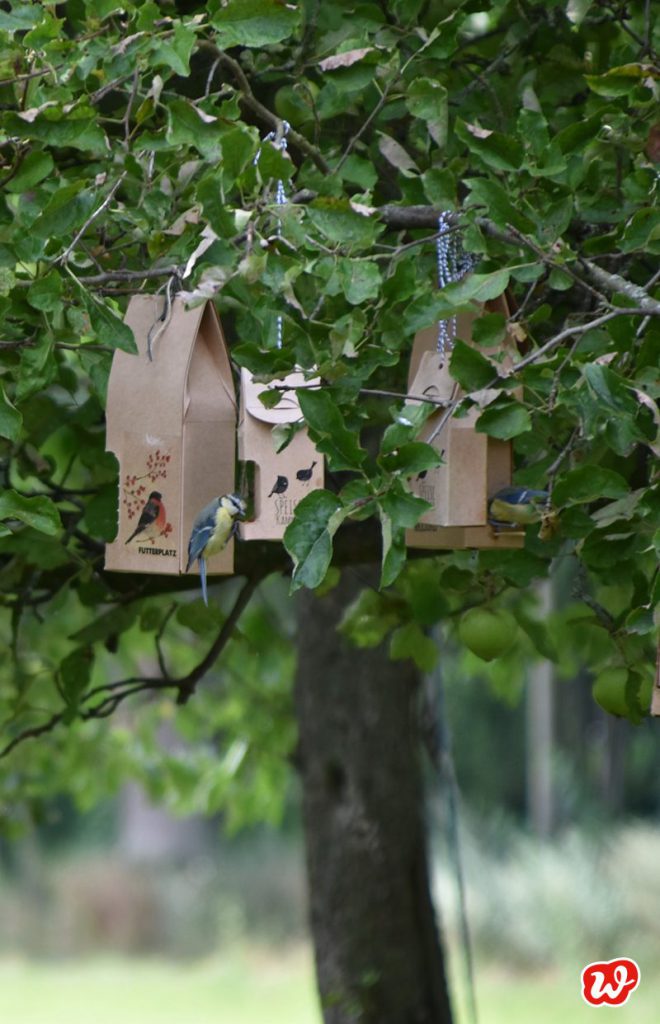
(516, 506)
(212, 530)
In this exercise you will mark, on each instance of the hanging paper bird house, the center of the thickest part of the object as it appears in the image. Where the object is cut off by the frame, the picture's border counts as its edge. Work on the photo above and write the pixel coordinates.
(281, 478)
(171, 423)
(474, 466)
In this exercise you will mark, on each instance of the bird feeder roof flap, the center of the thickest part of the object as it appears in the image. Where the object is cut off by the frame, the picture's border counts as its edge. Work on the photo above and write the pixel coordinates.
(287, 409)
(158, 394)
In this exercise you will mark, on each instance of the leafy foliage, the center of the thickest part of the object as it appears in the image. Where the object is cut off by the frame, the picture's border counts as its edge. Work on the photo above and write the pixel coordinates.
(129, 136)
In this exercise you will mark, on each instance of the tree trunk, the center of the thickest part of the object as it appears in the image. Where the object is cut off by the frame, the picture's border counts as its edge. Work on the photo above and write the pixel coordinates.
(378, 954)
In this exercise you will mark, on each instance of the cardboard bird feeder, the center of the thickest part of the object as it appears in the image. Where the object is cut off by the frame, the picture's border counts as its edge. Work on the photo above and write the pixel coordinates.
(171, 423)
(281, 478)
(474, 465)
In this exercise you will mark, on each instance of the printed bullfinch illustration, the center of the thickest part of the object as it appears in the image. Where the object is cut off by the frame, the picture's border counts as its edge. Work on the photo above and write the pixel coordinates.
(212, 529)
(153, 518)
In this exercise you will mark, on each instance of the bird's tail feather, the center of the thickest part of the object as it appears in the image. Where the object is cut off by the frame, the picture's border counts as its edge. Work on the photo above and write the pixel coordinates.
(202, 575)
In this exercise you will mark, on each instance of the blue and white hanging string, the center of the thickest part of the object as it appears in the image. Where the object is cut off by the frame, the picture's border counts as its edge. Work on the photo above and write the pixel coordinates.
(453, 264)
(278, 139)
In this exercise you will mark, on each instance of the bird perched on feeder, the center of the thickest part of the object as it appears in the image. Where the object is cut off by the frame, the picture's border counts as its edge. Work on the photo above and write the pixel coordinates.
(152, 519)
(513, 507)
(212, 530)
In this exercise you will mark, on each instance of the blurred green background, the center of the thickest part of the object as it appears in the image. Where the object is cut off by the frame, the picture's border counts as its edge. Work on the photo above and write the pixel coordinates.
(139, 914)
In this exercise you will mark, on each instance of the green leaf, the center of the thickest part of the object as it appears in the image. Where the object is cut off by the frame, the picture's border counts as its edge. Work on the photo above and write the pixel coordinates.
(501, 152)
(75, 673)
(410, 641)
(199, 618)
(175, 51)
(361, 280)
(538, 634)
(489, 329)
(407, 426)
(579, 134)
(519, 568)
(404, 509)
(611, 390)
(46, 293)
(621, 80)
(588, 483)
(77, 129)
(11, 420)
(368, 620)
(22, 16)
(410, 457)
(394, 549)
(7, 281)
(642, 230)
(504, 418)
(359, 171)
(67, 209)
(102, 512)
(308, 538)
(497, 201)
(253, 22)
(107, 326)
(335, 220)
(35, 167)
(427, 99)
(329, 431)
(477, 287)
(187, 127)
(470, 368)
(112, 624)
(39, 512)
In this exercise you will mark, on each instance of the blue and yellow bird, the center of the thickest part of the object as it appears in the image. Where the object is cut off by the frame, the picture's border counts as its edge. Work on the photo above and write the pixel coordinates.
(513, 507)
(212, 530)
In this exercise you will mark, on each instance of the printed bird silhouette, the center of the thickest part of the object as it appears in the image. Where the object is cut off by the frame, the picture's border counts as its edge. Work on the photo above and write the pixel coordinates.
(280, 486)
(152, 519)
(305, 474)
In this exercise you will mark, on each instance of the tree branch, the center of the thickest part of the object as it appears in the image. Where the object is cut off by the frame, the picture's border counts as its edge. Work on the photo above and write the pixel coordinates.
(113, 694)
(618, 285)
(259, 109)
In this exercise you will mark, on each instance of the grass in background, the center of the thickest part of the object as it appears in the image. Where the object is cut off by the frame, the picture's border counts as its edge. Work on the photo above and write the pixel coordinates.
(244, 987)
(257, 987)
(221, 939)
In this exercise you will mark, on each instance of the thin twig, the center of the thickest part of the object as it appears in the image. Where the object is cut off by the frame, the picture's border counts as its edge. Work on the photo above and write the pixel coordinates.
(186, 686)
(92, 217)
(113, 694)
(360, 132)
(158, 640)
(533, 357)
(129, 106)
(260, 110)
(209, 80)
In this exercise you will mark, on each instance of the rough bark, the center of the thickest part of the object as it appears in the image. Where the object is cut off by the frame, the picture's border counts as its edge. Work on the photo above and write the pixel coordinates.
(378, 954)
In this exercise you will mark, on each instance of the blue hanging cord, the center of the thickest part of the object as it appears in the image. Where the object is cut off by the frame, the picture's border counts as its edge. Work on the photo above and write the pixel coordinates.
(278, 139)
(453, 264)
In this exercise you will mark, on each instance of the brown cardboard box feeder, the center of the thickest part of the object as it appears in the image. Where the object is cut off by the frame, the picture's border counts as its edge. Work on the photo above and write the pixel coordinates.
(171, 423)
(283, 478)
(474, 466)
